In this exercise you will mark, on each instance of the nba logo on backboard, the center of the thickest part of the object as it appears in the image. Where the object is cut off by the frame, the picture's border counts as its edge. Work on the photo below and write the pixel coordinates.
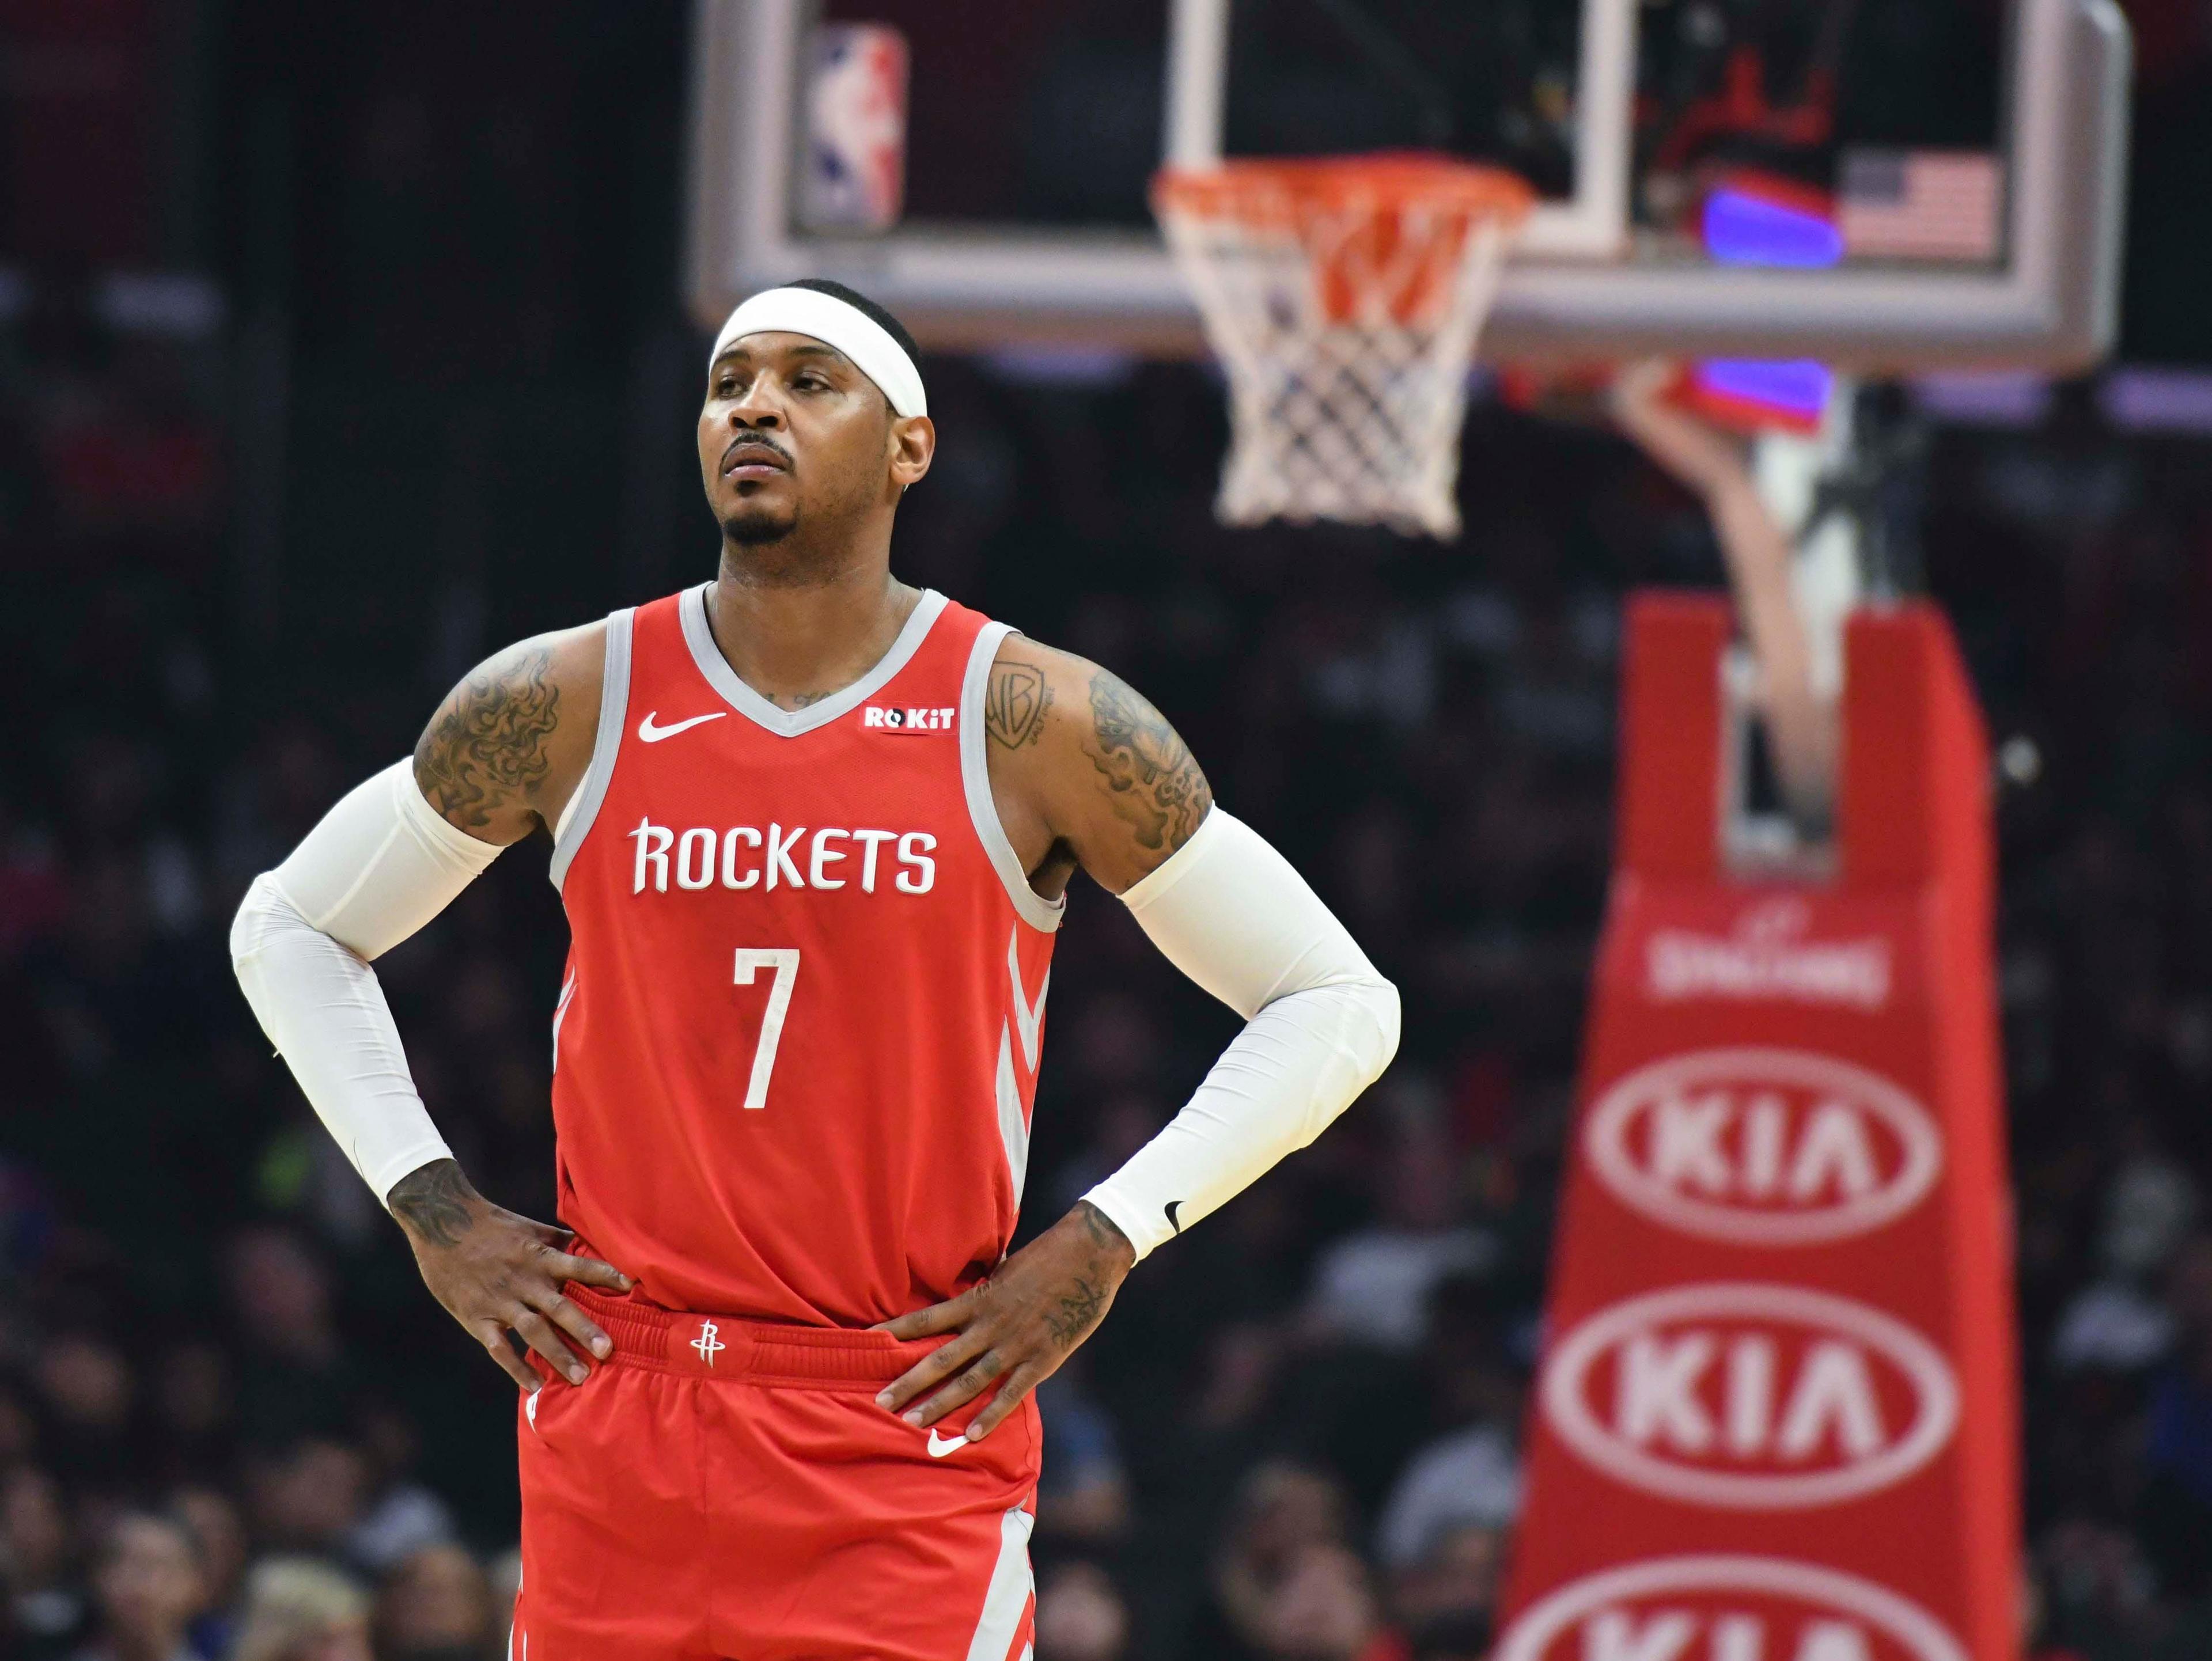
(855, 177)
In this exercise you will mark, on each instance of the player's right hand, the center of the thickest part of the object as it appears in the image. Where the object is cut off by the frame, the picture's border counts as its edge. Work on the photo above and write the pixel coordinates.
(497, 1273)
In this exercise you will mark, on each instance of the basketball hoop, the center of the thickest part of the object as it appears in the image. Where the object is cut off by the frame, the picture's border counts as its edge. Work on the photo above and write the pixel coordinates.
(1344, 296)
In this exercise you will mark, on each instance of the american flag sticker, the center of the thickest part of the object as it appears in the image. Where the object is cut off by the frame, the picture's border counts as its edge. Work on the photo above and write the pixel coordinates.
(1921, 204)
(855, 177)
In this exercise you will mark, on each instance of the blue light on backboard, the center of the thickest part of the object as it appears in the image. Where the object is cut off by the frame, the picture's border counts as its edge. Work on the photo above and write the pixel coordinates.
(1743, 228)
(1789, 388)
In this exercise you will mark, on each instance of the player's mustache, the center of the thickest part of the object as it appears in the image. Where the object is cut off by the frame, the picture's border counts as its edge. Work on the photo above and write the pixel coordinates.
(754, 441)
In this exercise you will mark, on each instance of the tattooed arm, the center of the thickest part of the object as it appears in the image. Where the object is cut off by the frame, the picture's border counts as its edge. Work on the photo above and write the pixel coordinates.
(502, 754)
(504, 751)
(511, 742)
(1085, 773)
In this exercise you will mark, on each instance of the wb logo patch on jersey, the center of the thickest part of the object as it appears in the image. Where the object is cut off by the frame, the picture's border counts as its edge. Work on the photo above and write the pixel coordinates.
(907, 718)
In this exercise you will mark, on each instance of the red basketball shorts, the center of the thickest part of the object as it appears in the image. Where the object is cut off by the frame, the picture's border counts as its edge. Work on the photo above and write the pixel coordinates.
(728, 1490)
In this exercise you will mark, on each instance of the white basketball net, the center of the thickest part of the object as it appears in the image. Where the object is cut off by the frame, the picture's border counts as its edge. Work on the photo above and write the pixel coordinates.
(1347, 412)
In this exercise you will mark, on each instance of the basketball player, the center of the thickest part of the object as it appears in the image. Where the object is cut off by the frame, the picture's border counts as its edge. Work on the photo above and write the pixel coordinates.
(812, 828)
(1715, 466)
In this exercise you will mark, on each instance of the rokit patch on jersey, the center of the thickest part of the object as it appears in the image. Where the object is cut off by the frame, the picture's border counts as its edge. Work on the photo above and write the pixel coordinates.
(904, 718)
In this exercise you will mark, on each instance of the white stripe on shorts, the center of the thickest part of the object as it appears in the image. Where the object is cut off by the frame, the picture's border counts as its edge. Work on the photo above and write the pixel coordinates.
(1011, 1585)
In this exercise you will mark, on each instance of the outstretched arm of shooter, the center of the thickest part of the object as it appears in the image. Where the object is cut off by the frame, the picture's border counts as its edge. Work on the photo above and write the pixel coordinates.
(492, 765)
(1801, 724)
(1086, 770)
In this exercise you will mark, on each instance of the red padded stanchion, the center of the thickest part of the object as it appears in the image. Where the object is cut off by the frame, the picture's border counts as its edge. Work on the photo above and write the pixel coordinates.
(1776, 1417)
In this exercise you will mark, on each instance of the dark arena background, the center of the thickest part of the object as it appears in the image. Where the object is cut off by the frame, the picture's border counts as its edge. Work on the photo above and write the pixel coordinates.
(340, 344)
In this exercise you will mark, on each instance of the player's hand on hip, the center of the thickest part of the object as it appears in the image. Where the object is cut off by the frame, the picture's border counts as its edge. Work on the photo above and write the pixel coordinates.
(1015, 1329)
(498, 1273)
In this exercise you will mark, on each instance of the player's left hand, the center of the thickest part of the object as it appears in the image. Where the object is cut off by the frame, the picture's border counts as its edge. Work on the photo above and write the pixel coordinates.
(1017, 1326)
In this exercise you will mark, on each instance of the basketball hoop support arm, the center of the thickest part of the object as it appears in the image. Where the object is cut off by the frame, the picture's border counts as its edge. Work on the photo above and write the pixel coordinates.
(1198, 77)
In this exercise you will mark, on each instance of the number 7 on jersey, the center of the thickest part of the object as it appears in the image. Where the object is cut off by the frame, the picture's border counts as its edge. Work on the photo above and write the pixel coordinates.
(784, 960)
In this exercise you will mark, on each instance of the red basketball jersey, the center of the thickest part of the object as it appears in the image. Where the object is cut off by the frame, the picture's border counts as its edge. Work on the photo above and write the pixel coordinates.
(796, 1043)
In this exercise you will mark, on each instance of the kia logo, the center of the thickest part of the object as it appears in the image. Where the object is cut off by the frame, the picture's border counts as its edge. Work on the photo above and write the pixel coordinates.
(1751, 1396)
(1726, 1608)
(1760, 1147)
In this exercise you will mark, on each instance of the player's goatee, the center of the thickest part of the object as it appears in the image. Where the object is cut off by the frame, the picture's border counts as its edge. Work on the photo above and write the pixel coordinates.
(753, 530)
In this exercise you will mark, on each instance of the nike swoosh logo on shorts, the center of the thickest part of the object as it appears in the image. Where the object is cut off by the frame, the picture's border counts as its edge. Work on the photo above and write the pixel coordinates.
(941, 1446)
(652, 735)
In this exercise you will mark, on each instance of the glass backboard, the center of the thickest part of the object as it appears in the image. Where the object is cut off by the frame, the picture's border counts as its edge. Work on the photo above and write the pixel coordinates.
(1886, 185)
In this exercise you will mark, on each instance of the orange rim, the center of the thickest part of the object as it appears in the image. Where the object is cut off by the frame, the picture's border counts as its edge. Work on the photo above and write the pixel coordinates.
(1276, 190)
(1387, 235)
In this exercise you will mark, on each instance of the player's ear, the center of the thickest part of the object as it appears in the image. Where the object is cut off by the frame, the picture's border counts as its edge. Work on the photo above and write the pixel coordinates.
(913, 445)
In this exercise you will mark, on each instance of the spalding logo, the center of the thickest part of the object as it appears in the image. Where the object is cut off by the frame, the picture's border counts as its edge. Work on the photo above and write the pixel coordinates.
(1749, 1396)
(1763, 1146)
(1726, 1608)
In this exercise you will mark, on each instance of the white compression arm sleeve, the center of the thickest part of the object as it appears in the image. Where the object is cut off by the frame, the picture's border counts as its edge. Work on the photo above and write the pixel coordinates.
(381, 864)
(1320, 1026)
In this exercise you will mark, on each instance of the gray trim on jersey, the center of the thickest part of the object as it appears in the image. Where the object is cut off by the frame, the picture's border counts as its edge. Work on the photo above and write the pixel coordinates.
(583, 807)
(1033, 908)
(790, 723)
(1013, 1129)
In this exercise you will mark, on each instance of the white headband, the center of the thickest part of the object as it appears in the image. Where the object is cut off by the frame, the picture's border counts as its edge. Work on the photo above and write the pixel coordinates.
(825, 318)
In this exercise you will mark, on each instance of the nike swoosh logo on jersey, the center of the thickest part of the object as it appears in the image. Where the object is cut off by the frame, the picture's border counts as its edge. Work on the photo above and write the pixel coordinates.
(941, 1446)
(652, 735)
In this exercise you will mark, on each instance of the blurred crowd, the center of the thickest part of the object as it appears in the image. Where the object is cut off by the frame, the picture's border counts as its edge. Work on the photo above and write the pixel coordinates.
(232, 1426)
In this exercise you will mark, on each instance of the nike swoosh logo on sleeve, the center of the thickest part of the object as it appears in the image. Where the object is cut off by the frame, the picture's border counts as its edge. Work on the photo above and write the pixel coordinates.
(652, 735)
